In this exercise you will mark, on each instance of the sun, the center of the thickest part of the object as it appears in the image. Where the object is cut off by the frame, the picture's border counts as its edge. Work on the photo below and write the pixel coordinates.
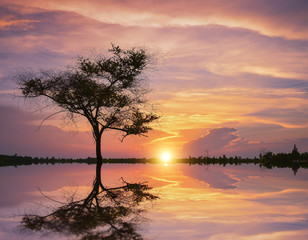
(166, 157)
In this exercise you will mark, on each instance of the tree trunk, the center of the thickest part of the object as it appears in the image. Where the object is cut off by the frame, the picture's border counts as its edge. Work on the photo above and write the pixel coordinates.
(97, 183)
(99, 159)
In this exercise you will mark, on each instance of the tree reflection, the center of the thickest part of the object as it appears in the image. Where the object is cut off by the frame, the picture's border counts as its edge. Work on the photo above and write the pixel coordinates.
(106, 213)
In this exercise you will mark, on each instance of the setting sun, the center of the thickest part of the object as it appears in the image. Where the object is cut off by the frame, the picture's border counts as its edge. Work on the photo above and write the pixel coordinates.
(166, 157)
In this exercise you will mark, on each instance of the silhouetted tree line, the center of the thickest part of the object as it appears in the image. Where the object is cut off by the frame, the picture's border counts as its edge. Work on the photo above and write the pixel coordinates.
(294, 160)
(15, 160)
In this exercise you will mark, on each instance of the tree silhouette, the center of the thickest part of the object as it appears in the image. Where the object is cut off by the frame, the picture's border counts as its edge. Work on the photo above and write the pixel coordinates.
(295, 153)
(109, 92)
(112, 213)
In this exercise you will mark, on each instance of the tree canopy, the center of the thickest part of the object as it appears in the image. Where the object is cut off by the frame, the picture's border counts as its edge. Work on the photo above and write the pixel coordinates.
(108, 91)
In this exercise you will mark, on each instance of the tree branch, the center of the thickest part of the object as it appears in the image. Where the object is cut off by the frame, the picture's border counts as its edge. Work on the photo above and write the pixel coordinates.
(49, 117)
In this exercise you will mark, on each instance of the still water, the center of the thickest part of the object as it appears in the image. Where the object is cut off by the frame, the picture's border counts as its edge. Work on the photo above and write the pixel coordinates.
(196, 202)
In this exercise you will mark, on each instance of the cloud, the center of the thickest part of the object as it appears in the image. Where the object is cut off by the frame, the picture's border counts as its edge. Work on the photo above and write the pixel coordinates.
(20, 135)
(216, 142)
(227, 141)
(274, 235)
(288, 116)
(286, 18)
(215, 139)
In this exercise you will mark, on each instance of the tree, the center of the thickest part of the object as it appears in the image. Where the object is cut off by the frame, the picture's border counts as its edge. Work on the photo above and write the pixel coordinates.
(114, 213)
(108, 91)
(295, 153)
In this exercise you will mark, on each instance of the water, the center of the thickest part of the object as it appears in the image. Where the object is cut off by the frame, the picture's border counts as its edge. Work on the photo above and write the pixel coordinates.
(197, 202)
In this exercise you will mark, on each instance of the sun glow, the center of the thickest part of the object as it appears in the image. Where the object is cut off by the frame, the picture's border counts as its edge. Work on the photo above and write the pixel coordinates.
(166, 157)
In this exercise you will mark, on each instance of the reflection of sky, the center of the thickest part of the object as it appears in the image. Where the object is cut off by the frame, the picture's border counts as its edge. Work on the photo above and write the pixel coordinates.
(198, 202)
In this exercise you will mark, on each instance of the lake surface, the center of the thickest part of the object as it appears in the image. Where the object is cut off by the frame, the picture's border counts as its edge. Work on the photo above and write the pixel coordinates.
(197, 202)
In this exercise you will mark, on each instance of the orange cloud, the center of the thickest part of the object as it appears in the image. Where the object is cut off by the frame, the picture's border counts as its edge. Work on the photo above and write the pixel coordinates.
(278, 18)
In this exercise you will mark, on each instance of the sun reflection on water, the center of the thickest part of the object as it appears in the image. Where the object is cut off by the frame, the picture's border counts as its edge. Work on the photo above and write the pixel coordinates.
(166, 158)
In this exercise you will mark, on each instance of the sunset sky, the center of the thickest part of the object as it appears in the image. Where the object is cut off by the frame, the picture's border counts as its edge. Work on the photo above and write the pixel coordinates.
(232, 76)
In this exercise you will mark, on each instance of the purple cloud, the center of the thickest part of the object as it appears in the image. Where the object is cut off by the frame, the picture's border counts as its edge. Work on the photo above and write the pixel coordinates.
(216, 139)
(227, 141)
(20, 136)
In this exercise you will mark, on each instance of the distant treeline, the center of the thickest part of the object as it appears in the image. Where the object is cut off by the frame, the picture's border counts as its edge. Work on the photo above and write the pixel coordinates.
(15, 160)
(294, 160)
(266, 160)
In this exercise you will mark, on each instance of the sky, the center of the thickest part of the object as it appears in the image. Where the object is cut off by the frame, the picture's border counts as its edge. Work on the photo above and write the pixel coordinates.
(231, 79)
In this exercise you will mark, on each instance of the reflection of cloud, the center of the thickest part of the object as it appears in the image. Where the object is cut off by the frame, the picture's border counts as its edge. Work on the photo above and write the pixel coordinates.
(189, 209)
(208, 213)
(215, 178)
(26, 180)
(282, 197)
